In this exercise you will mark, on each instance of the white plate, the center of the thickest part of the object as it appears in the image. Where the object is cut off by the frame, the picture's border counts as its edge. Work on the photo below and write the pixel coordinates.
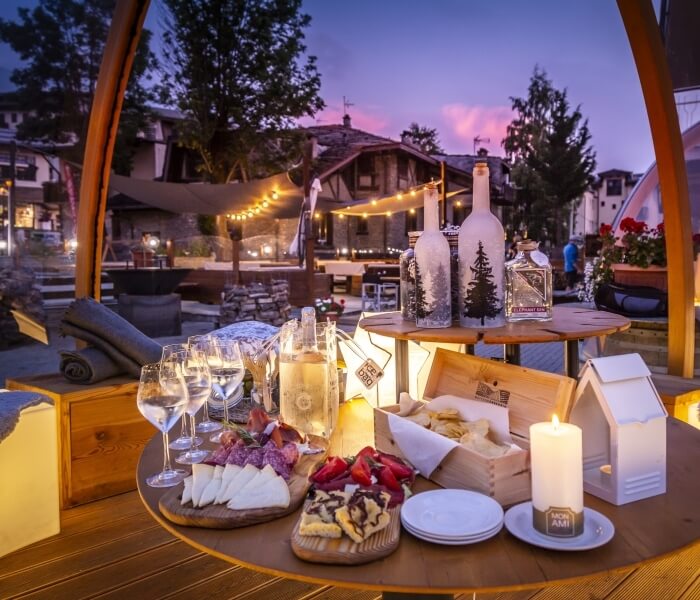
(453, 541)
(597, 530)
(451, 514)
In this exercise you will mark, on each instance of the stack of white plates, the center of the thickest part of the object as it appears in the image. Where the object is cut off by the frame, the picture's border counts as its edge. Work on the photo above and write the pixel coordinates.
(452, 517)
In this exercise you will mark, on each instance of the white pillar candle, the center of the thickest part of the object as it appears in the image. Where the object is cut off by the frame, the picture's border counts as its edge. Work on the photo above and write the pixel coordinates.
(557, 478)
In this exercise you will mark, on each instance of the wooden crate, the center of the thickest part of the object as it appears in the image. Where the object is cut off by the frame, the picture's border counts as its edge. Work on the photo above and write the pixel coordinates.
(531, 396)
(100, 434)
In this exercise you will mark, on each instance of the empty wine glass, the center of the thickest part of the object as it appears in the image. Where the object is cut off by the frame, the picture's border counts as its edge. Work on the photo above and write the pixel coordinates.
(184, 440)
(206, 425)
(162, 405)
(227, 371)
(191, 366)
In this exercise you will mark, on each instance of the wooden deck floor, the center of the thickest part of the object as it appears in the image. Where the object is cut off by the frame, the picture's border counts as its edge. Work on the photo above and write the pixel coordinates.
(112, 549)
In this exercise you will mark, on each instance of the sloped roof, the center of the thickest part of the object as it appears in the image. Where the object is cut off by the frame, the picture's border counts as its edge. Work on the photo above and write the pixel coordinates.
(498, 167)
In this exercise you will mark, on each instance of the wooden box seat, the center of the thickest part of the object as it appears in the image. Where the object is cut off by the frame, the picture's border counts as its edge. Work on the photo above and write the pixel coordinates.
(100, 434)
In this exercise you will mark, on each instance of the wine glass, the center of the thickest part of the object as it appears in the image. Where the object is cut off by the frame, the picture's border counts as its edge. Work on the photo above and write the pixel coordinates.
(206, 425)
(191, 366)
(184, 441)
(227, 371)
(162, 406)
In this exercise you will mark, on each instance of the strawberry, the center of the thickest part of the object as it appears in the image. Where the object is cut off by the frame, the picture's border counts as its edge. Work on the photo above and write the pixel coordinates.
(387, 478)
(360, 471)
(334, 466)
(399, 468)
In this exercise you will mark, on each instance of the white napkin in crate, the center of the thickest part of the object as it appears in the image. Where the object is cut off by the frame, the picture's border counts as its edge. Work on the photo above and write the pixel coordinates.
(425, 449)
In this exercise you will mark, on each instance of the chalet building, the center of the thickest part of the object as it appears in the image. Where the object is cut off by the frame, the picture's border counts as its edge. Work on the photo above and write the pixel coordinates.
(603, 201)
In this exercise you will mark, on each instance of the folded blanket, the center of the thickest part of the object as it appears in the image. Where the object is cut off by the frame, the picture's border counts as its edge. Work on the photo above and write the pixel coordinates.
(125, 363)
(89, 365)
(91, 319)
(11, 404)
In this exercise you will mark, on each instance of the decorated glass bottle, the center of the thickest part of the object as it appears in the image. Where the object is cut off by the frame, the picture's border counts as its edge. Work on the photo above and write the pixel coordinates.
(528, 285)
(481, 258)
(432, 255)
(407, 275)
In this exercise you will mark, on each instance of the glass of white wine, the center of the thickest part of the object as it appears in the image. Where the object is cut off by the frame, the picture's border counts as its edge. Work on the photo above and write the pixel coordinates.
(184, 440)
(226, 365)
(191, 366)
(162, 406)
(206, 425)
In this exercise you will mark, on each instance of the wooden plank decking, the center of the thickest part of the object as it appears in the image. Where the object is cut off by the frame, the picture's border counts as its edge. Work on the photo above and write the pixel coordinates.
(112, 549)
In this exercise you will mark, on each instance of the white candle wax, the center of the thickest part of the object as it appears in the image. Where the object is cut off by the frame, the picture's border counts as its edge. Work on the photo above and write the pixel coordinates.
(557, 466)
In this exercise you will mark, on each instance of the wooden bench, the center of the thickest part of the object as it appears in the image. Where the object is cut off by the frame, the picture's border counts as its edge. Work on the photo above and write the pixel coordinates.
(678, 395)
(100, 434)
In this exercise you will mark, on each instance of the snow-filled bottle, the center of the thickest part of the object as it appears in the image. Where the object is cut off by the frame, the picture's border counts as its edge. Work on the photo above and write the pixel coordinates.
(432, 255)
(481, 259)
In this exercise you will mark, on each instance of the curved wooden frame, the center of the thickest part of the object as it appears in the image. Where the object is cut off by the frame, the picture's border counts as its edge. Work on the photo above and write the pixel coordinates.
(120, 49)
(647, 48)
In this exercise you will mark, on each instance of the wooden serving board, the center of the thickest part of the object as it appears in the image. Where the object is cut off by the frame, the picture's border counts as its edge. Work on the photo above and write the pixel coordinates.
(218, 516)
(343, 551)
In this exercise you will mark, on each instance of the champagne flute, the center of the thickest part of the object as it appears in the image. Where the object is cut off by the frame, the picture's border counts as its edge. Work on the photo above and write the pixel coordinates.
(162, 406)
(206, 425)
(191, 366)
(227, 371)
(184, 441)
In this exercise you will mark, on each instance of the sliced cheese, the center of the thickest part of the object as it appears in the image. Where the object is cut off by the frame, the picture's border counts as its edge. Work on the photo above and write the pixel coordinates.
(230, 472)
(201, 476)
(240, 480)
(262, 477)
(273, 493)
(209, 494)
(187, 491)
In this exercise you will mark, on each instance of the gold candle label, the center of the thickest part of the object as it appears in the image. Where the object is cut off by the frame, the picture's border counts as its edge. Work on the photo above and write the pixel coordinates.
(558, 521)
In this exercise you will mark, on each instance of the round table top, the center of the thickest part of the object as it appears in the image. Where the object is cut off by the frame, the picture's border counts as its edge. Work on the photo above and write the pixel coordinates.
(645, 530)
(567, 324)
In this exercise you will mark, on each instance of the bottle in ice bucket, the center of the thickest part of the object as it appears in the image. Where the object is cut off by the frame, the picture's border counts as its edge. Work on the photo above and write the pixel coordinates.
(308, 375)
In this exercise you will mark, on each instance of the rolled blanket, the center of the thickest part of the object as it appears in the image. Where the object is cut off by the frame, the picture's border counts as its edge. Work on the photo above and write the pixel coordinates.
(127, 364)
(89, 365)
(92, 317)
(11, 404)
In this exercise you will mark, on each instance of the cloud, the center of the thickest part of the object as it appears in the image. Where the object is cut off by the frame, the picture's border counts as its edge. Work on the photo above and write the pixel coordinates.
(462, 123)
(367, 120)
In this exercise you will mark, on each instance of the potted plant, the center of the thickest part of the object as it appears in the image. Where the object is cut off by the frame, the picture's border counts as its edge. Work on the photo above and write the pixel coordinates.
(328, 309)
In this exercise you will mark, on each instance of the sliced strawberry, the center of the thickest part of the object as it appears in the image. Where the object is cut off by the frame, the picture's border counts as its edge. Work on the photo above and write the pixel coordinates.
(333, 467)
(369, 452)
(387, 478)
(399, 468)
(360, 471)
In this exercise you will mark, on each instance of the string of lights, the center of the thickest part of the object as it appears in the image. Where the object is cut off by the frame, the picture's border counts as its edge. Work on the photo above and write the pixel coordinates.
(254, 210)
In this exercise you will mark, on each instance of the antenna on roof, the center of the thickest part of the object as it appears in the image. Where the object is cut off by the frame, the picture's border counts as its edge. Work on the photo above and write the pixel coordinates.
(478, 139)
(346, 105)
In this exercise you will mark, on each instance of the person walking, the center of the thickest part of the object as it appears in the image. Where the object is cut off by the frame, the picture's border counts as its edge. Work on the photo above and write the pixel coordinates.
(570, 260)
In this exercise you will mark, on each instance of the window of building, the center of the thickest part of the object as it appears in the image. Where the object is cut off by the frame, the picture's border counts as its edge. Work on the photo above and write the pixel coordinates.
(602, 202)
(362, 226)
(367, 177)
(26, 173)
(613, 187)
(459, 213)
(13, 117)
(323, 228)
(411, 221)
(614, 206)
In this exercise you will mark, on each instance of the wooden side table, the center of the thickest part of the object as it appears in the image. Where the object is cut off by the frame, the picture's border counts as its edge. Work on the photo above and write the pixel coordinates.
(568, 325)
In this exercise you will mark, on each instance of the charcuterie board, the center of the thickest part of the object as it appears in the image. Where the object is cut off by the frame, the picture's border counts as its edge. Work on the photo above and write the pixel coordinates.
(343, 551)
(218, 516)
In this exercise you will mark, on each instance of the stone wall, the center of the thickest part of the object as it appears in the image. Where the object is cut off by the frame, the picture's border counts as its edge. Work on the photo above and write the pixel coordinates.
(18, 291)
(267, 303)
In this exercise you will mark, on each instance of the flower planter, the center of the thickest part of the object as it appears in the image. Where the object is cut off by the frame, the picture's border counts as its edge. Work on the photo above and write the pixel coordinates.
(328, 316)
(652, 276)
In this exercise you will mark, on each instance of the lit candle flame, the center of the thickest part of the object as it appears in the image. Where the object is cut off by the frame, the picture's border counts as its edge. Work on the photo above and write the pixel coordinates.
(555, 422)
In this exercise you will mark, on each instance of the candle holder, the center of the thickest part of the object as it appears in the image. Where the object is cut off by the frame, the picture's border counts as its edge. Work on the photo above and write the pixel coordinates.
(624, 430)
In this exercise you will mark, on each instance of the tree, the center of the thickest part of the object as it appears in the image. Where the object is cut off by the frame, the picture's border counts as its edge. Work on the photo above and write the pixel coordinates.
(236, 70)
(553, 163)
(423, 137)
(442, 295)
(61, 43)
(481, 300)
(422, 311)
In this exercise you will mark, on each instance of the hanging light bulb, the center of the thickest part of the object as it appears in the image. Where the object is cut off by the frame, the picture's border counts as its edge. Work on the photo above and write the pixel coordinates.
(412, 211)
(257, 210)
(399, 196)
(275, 195)
(250, 214)
(243, 217)
(364, 215)
(374, 203)
(265, 204)
(388, 213)
(413, 192)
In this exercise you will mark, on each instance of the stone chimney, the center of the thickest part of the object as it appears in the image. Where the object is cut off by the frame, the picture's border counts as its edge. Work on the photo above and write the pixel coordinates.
(347, 122)
(482, 152)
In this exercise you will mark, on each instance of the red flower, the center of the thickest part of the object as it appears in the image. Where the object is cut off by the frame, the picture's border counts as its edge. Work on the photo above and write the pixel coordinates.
(630, 225)
(342, 300)
(661, 228)
(605, 230)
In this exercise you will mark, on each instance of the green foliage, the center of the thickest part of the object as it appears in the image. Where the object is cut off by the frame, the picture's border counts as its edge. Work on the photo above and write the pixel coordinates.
(61, 43)
(235, 69)
(553, 163)
(425, 138)
(481, 299)
(206, 224)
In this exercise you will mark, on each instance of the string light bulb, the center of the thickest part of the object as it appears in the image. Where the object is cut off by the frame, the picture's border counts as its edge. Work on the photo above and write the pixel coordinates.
(413, 192)
(243, 217)
(374, 203)
(412, 211)
(265, 204)
(364, 215)
(250, 214)
(257, 210)
(388, 213)
(275, 195)
(399, 196)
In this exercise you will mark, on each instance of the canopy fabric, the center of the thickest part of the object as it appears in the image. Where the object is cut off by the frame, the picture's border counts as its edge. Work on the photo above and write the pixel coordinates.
(389, 204)
(216, 199)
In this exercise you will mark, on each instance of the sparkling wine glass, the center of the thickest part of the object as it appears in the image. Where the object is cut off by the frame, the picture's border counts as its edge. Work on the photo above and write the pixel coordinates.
(191, 366)
(227, 371)
(184, 440)
(162, 406)
(206, 425)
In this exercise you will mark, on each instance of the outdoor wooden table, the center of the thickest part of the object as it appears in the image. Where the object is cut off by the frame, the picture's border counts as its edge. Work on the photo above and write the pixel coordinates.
(645, 531)
(568, 325)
